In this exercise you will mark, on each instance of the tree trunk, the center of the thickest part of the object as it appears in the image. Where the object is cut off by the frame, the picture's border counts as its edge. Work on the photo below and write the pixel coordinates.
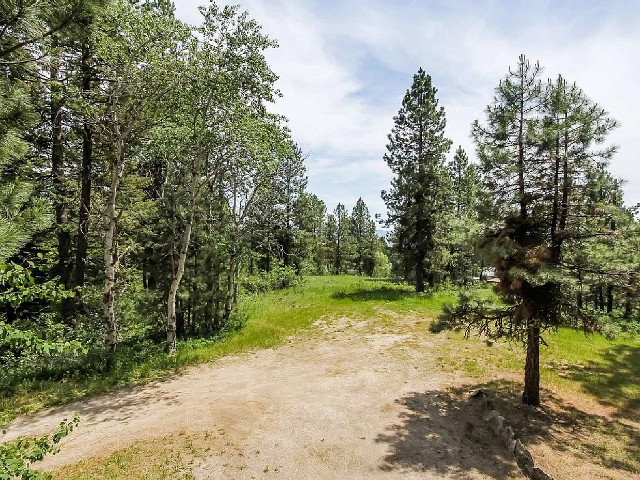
(609, 298)
(231, 287)
(109, 251)
(579, 299)
(601, 297)
(627, 307)
(57, 168)
(420, 272)
(173, 290)
(82, 240)
(531, 394)
(185, 240)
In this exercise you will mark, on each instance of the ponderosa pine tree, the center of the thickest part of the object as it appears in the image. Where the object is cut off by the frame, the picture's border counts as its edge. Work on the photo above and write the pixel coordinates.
(341, 240)
(465, 183)
(290, 184)
(363, 232)
(536, 149)
(464, 226)
(309, 215)
(419, 194)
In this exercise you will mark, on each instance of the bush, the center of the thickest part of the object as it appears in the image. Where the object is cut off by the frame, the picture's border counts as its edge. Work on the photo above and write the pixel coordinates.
(382, 265)
(278, 278)
(17, 456)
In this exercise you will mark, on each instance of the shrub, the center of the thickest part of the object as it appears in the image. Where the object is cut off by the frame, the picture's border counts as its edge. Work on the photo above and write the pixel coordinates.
(278, 278)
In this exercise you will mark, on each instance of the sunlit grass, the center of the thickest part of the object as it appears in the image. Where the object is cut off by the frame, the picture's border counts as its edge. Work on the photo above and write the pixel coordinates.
(606, 370)
(271, 319)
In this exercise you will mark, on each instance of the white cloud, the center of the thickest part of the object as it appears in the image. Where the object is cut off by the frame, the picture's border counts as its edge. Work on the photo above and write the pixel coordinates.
(332, 54)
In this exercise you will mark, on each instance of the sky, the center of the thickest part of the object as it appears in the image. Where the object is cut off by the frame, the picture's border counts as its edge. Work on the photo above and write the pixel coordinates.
(344, 67)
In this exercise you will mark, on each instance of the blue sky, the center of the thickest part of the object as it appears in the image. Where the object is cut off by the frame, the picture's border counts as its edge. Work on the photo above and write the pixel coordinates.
(345, 65)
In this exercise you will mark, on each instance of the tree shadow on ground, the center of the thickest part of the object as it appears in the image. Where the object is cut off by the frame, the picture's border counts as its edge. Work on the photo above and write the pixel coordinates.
(613, 380)
(388, 294)
(442, 431)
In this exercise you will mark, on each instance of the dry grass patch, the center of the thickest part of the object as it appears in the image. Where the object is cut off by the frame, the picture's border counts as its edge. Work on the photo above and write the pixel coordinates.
(173, 456)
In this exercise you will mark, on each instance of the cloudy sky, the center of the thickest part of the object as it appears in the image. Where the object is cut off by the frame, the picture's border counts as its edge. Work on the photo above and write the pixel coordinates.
(345, 65)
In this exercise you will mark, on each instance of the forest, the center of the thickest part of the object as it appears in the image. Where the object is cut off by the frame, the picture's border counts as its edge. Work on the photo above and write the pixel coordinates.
(151, 198)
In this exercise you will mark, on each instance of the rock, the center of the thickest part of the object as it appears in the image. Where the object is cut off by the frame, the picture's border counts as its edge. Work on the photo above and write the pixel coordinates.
(477, 394)
(523, 458)
(539, 474)
(507, 437)
(491, 415)
(496, 424)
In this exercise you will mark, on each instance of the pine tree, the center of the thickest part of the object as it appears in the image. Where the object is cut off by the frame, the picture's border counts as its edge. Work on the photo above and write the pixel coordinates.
(420, 188)
(309, 214)
(363, 231)
(537, 150)
(339, 242)
(465, 183)
(290, 184)
(464, 225)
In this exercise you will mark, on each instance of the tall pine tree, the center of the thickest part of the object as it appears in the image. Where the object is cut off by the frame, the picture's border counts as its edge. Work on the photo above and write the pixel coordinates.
(538, 150)
(420, 189)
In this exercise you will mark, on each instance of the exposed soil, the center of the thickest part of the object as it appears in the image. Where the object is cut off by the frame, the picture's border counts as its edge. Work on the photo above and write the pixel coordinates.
(357, 400)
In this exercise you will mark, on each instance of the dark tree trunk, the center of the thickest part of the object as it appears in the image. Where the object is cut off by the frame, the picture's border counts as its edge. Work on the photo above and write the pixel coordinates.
(531, 394)
(579, 299)
(231, 290)
(431, 279)
(63, 268)
(82, 239)
(627, 307)
(420, 272)
(609, 298)
(601, 297)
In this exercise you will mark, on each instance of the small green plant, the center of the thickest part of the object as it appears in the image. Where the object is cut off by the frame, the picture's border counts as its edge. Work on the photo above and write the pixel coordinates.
(18, 456)
(18, 285)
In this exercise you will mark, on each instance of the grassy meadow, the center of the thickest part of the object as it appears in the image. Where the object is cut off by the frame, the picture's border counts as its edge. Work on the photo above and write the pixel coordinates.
(608, 371)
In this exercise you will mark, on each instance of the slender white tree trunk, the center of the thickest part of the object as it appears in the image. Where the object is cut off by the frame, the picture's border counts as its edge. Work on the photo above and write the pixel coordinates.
(110, 255)
(173, 290)
(185, 240)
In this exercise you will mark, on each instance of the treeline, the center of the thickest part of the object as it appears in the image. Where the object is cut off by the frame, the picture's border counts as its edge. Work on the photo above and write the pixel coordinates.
(144, 182)
(541, 210)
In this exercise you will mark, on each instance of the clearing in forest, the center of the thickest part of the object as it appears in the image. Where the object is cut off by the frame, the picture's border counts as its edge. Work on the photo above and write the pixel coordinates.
(366, 391)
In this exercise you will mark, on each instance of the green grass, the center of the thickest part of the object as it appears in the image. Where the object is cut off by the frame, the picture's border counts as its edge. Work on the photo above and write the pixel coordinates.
(271, 319)
(608, 371)
(169, 457)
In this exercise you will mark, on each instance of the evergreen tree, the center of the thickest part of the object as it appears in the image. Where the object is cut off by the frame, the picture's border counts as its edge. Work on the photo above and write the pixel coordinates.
(339, 239)
(538, 217)
(291, 182)
(464, 226)
(419, 194)
(465, 183)
(363, 231)
(309, 213)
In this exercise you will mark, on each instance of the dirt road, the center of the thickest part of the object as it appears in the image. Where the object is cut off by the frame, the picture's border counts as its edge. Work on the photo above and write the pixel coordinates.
(354, 401)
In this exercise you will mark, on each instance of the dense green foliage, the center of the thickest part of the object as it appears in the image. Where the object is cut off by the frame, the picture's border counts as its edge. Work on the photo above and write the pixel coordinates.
(432, 204)
(149, 194)
(17, 457)
(145, 184)
(556, 228)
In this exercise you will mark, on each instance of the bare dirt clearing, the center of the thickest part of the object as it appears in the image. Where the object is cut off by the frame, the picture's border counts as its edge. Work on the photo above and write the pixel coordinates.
(359, 399)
